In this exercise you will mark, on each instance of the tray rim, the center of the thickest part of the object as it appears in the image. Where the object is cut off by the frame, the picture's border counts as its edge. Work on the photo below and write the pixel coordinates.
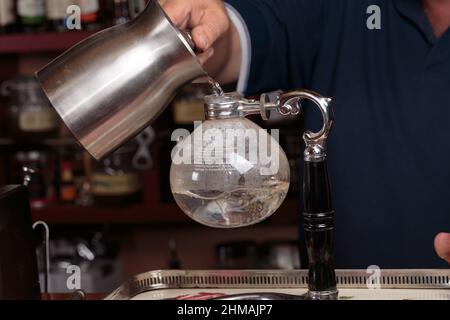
(275, 279)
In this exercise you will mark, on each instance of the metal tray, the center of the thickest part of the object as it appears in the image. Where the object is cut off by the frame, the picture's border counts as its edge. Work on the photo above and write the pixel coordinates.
(274, 280)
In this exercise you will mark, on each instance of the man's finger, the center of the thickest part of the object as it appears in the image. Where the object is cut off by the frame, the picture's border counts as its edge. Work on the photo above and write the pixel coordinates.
(179, 14)
(442, 246)
(212, 26)
(204, 56)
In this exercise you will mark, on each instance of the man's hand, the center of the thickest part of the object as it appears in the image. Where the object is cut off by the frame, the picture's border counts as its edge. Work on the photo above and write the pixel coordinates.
(442, 246)
(208, 19)
(213, 34)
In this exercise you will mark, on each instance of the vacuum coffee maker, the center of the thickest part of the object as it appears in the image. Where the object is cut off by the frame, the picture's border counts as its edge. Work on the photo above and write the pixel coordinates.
(112, 85)
(317, 206)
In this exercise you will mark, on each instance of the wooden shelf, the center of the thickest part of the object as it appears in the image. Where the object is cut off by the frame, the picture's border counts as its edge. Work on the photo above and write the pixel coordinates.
(40, 42)
(152, 210)
(72, 214)
(53, 142)
(6, 142)
(157, 214)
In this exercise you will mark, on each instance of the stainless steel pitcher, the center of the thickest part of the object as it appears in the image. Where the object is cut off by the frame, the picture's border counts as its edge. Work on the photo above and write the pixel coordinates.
(112, 85)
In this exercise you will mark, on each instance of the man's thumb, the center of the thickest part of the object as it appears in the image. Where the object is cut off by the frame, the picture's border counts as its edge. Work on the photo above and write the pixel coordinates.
(442, 246)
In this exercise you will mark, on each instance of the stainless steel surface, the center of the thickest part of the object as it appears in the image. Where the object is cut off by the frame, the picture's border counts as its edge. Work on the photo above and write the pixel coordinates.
(289, 104)
(229, 105)
(234, 105)
(321, 295)
(310, 295)
(276, 279)
(262, 296)
(112, 85)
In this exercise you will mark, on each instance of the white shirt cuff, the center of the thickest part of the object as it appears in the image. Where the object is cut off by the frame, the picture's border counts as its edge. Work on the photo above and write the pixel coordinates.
(246, 47)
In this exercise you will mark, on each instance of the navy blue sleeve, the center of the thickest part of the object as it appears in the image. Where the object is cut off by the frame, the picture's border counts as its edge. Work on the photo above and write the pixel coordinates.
(285, 38)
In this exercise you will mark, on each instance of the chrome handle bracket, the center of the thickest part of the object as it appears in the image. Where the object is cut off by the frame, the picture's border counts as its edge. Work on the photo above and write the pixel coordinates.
(234, 105)
(315, 141)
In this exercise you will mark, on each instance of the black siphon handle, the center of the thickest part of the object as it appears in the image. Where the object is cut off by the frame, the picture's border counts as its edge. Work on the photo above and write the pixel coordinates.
(319, 229)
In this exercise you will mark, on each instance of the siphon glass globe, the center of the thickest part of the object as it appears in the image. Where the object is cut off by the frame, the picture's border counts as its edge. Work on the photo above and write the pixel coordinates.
(229, 173)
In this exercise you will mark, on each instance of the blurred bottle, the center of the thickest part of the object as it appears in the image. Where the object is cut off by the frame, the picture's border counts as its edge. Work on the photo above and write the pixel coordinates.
(136, 7)
(105, 13)
(84, 183)
(31, 14)
(56, 12)
(28, 111)
(115, 182)
(68, 190)
(89, 13)
(188, 106)
(121, 12)
(7, 16)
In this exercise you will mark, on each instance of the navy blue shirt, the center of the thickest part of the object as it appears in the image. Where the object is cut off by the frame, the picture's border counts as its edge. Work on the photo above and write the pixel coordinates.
(389, 151)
